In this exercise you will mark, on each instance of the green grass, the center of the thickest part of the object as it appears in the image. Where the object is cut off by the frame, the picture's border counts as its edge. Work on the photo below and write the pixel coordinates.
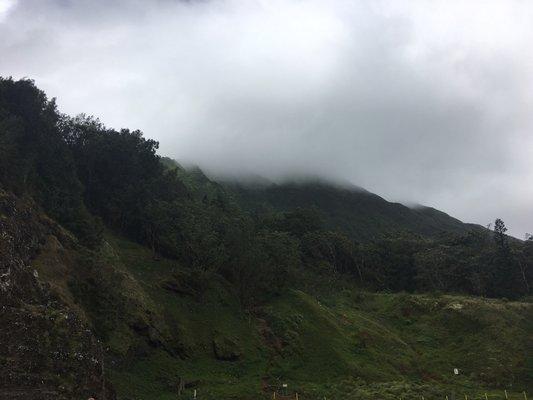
(337, 342)
(194, 322)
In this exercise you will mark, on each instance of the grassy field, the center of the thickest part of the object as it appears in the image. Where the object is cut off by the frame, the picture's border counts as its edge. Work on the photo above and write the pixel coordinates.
(336, 342)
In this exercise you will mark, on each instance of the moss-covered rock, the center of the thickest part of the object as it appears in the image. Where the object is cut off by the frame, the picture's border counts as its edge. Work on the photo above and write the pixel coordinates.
(46, 348)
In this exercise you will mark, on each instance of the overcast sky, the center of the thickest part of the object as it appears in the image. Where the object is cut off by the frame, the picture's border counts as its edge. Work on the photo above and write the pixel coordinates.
(418, 101)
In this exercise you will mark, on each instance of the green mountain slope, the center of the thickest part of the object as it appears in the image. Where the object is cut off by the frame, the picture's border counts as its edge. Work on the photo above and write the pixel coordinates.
(124, 275)
(360, 214)
(335, 342)
(165, 329)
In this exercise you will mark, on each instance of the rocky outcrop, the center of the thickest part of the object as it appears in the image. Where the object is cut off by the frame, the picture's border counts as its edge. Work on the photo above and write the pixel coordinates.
(47, 350)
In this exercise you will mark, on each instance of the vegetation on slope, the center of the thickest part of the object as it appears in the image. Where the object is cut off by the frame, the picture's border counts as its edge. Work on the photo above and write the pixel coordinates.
(340, 341)
(188, 284)
(47, 350)
(87, 176)
(361, 215)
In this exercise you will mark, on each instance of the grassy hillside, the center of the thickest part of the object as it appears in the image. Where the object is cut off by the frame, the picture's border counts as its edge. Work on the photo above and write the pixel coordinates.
(360, 214)
(118, 265)
(336, 342)
(164, 328)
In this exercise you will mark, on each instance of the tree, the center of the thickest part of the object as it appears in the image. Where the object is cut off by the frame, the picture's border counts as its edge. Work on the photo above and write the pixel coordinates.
(525, 263)
(455, 264)
(261, 265)
(299, 221)
(499, 234)
(389, 264)
(35, 159)
(332, 249)
(508, 281)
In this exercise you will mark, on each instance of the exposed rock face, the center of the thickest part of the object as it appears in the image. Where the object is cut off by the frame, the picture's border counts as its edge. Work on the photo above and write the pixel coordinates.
(46, 349)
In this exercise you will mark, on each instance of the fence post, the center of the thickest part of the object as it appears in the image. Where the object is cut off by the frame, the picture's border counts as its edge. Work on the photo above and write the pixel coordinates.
(296, 396)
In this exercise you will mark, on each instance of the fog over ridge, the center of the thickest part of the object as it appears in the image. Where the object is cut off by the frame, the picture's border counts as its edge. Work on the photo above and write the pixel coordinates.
(417, 101)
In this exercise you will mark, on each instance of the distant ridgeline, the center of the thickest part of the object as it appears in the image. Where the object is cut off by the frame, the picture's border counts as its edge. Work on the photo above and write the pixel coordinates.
(361, 215)
(164, 269)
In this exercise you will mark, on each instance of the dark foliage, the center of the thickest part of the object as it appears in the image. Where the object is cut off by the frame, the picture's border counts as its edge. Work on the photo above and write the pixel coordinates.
(35, 158)
(86, 176)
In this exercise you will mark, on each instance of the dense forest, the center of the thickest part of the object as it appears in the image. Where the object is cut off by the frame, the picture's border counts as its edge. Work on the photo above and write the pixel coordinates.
(90, 178)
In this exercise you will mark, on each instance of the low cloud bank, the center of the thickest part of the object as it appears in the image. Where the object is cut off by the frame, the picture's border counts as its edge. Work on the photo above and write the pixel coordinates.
(426, 102)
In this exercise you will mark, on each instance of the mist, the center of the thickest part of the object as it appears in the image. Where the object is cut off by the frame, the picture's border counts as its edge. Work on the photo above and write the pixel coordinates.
(418, 101)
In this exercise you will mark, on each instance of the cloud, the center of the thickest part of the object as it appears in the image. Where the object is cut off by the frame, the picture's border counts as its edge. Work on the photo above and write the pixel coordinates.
(419, 101)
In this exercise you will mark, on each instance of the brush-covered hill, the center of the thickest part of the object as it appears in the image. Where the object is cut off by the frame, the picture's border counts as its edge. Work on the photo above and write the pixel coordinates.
(362, 215)
(124, 275)
(114, 322)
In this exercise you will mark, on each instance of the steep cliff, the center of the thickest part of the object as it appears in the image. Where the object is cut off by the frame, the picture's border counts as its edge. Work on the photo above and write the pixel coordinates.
(47, 350)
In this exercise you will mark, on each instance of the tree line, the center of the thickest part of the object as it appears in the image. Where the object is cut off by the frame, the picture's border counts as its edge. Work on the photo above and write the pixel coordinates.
(90, 178)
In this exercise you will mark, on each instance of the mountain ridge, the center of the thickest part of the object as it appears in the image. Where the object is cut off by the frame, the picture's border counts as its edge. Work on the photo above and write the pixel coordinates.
(359, 213)
(124, 275)
(362, 215)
